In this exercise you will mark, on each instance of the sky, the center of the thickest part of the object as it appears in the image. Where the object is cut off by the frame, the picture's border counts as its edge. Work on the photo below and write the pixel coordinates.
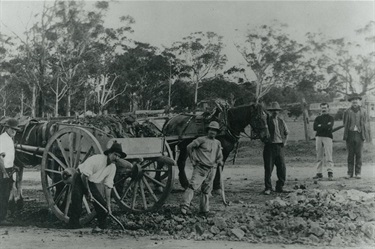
(161, 23)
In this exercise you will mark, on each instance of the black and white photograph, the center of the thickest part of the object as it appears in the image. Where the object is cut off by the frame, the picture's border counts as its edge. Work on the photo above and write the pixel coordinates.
(187, 124)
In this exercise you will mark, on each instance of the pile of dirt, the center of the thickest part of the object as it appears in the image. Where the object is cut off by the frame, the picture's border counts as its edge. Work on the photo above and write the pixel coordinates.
(316, 217)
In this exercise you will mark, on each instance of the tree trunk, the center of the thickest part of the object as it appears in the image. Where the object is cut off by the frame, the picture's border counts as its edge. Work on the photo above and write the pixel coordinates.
(85, 107)
(22, 97)
(57, 99)
(305, 119)
(368, 108)
(33, 102)
(68, 103)
(196, 94)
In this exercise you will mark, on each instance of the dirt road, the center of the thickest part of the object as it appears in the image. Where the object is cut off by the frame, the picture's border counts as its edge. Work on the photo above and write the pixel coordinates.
(250, 211)
(32, 237)
(243, 186)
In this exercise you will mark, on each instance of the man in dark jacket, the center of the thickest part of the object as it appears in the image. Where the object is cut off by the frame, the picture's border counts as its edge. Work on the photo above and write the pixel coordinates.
(355, 133)
(273, 153)
(323, 126)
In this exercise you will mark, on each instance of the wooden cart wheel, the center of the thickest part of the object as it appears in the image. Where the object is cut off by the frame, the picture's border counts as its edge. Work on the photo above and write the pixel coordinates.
(65, 150)
(148, 186)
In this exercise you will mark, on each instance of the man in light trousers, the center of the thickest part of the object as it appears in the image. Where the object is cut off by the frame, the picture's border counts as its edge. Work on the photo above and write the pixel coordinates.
(206, 155)
(323, 125)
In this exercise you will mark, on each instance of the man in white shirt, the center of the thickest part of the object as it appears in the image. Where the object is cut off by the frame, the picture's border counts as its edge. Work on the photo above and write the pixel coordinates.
(7, 154)
(96, 169)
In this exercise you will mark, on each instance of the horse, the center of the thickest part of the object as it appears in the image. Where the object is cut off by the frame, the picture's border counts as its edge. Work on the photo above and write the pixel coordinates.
(233, 121)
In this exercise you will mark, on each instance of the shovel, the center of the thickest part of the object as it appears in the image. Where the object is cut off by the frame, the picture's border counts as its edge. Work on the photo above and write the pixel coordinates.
(113, 217)
(222, 186)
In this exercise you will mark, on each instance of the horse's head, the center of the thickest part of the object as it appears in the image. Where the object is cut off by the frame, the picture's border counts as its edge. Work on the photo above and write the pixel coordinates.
(258, 123)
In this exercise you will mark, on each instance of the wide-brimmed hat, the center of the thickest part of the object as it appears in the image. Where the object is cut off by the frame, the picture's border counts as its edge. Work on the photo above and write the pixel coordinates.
(274, 107)
(116, 147)
(214, 126)
(12, 123)
(354, 96)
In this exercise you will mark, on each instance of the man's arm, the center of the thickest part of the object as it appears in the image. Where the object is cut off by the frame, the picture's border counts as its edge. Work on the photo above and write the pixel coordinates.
(286, 133)
(316, 123)
(331, 123)
(108, 192)
(190, 147)
(85, 182)
(220, 157)
(2, 167)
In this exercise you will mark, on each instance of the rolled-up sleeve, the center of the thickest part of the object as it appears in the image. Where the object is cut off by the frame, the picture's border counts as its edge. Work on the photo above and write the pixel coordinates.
(109, 179)
(86, 167)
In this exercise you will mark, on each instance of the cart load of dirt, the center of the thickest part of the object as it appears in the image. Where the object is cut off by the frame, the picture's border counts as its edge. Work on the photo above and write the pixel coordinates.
(316, 217)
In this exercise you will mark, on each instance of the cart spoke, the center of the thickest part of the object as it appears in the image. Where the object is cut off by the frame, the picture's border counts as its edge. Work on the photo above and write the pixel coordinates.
(127, 190)
(57, 160)
(56, 183)
(149, 189)
(57, 199)
(78, 150)
(63, 152)
(147, 164)
(134, 194)
(91, 150)
(155, 181)
(68, 200)
(155, 170)
(71, 148)
(53, 171)
(141, 187)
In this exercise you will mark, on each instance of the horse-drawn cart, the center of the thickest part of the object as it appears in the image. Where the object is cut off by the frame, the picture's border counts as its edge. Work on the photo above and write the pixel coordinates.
(142, 182)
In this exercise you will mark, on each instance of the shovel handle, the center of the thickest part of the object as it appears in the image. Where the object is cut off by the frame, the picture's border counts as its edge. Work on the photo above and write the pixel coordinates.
(222, 186)
(113, 217)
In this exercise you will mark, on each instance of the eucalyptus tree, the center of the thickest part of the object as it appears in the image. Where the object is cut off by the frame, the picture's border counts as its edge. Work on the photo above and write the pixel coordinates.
(272, 58)
(347, 66)
(145, 70)
(30, 66)
(202, 54)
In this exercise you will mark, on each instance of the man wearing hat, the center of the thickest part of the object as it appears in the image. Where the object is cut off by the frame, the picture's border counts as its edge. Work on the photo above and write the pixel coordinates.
(206, 155)
(273, 153)
(355, 132)
(7, 155)
(97, 169)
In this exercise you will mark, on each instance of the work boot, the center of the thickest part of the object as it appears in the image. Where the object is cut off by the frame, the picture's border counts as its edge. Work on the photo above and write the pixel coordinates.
(330, 176)
(267, 192)
(318, 176)
(358, 176)
(348, 176)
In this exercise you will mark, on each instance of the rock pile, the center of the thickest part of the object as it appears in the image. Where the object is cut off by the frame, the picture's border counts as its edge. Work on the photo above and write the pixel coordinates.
(328, 217)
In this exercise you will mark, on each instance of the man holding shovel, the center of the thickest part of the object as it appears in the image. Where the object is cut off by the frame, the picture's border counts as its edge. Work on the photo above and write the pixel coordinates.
(206, 155)
(97, 169)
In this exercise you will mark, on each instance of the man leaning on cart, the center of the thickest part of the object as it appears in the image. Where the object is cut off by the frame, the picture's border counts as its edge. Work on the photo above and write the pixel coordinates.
(97, 169)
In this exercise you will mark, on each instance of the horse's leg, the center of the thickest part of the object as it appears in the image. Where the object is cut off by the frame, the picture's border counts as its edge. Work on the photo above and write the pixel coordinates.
(15, 197)
(181, 167)
(18, 184)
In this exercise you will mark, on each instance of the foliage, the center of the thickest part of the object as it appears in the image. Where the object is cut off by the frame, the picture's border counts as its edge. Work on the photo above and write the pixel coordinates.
(347, 69)
(273, 59)
(201, 53)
